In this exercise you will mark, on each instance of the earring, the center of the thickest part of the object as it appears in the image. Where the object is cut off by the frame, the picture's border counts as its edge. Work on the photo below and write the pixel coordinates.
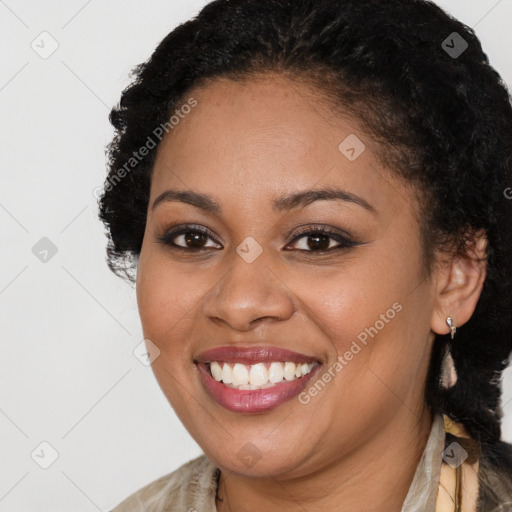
(448, 373)
(449, 321)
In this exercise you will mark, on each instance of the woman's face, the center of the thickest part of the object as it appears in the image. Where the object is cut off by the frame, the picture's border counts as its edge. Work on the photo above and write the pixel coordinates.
(352, 305)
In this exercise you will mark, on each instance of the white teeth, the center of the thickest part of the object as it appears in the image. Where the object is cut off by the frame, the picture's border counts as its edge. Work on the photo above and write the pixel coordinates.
(257, 376)
(275, 372)
(227, 374)
(216, 371)
(240, 374)
(289, 371)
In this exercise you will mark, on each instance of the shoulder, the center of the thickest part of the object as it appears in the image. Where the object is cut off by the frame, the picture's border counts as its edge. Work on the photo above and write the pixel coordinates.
(190, 487)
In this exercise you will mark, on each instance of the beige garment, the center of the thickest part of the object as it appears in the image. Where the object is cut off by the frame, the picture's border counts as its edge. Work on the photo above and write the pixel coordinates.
(458, 483)
(423, 490)
(192, 487)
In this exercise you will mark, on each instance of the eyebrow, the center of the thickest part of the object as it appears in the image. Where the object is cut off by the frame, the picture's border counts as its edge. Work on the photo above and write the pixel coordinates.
(283, 203)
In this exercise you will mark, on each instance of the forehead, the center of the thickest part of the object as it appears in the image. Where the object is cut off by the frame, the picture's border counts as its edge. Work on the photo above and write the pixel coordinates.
(251, 140)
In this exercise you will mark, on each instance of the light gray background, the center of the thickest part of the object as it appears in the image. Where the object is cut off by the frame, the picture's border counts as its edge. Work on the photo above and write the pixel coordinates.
(69, 326)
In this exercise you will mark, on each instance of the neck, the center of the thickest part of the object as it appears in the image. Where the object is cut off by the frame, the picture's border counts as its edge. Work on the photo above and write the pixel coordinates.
(377, 476)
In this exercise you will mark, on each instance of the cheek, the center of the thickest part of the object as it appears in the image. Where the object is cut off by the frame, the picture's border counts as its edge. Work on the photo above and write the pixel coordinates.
(165, 299)
(372, 312)
(346, 304)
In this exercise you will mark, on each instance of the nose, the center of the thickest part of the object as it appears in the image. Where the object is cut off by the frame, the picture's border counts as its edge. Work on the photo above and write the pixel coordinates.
(248, 294)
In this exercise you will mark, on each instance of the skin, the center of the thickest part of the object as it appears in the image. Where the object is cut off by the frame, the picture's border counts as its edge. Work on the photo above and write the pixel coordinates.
(355, 446)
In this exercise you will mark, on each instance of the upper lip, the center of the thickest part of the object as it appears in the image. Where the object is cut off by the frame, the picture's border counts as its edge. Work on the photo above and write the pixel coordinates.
(252, 355)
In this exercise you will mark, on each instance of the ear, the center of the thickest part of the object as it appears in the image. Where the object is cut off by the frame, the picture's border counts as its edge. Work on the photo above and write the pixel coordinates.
(460, 280)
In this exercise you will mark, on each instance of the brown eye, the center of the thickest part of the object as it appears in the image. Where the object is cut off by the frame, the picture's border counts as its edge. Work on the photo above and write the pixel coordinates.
(322, 240)
(193, 238)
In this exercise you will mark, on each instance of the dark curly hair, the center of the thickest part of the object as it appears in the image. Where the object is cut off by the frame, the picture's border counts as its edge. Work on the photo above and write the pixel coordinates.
(441, 121)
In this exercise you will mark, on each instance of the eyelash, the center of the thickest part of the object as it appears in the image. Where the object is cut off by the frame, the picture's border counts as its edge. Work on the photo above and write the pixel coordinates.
(343, 241)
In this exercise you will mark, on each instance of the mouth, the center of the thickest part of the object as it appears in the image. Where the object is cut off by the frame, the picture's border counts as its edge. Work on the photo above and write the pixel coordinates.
(255, 379)
(257, 376)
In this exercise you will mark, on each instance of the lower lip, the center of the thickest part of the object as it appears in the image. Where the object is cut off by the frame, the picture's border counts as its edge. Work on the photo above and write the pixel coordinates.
(254, 400)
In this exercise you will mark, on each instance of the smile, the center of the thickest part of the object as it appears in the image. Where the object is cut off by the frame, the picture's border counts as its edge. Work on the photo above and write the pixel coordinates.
(254, 379)
(257, 376)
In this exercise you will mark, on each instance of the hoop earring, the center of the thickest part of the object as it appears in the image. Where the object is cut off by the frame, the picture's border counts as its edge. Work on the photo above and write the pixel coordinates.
(449, 321)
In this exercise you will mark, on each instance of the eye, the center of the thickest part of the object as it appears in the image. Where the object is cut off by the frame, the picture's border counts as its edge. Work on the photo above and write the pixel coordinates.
(195, 238)
(321, 240)
(188, 237)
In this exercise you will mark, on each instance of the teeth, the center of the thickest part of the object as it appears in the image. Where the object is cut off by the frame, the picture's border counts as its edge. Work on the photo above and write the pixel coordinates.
(227, 374)
(240, 375)
(257, 376)
(275, 372)
(216, 371)
(289, 371)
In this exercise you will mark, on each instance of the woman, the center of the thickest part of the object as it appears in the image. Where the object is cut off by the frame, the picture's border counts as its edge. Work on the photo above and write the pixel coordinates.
(311, 197)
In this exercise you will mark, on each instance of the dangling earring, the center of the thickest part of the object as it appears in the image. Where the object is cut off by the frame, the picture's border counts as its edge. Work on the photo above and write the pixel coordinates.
(449, 321)
(448, 373)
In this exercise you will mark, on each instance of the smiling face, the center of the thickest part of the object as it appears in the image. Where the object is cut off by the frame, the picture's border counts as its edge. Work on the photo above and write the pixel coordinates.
(354, 299)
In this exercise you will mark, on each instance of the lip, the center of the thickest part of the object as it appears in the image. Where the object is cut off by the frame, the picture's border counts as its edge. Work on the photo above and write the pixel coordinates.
(252, 355)
(256, 400)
